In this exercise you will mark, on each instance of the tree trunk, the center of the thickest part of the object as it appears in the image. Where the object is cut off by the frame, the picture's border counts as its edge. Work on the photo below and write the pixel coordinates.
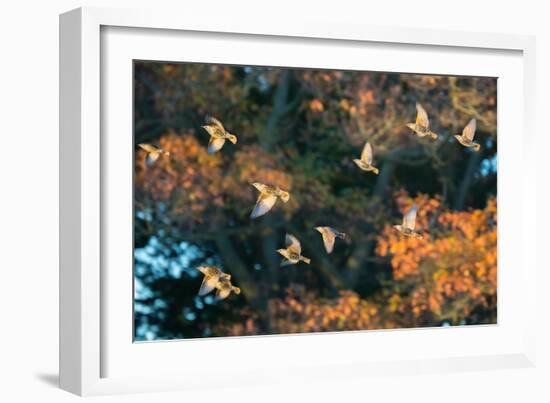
(358, 259)
(319, 258)
(269, 246)
(238, 270)
(268, 139)
(280, 101)
(473, 164)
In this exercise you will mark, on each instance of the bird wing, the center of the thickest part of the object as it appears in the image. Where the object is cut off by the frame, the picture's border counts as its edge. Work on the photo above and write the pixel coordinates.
(260, 186)
(328, 240)
(211, 271)
(286, 262)
(152, 157)
(210, 120)
(409, 219)
(422, 116)
(470, 130)
(292, 244)
(215, 144)
(149, 148)
(283, 253)
(366, 155)
(264, 203)
(208, 284)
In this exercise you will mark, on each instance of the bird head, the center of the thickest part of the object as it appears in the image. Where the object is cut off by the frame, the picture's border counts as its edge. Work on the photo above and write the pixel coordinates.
(477, 147)
(236, 290)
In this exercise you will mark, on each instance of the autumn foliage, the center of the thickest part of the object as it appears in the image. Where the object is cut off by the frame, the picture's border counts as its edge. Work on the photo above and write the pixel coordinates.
(450, 273)
(301, 129)
(449, 276)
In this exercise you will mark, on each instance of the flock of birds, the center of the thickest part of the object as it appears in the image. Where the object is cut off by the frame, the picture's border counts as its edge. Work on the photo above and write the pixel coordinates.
(216, 279)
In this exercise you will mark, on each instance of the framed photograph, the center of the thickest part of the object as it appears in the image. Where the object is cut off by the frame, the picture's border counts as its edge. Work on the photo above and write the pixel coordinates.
(309, 200)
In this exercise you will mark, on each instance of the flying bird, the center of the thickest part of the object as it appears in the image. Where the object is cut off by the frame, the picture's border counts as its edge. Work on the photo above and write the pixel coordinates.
(329, 236)
(293, 252)
(467, 136)
(153, 152)
(422, 125)
(224, 288)
(409, 221)
(218, 134)
(365, 163)
(267, 198)
(212, 277)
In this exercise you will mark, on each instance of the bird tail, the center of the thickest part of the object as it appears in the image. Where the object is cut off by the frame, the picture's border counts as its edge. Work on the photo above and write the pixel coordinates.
(477, 147)
(305, 260)
(232, 138)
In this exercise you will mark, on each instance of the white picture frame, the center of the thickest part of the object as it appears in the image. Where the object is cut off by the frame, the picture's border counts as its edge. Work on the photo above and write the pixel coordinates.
(96, 354)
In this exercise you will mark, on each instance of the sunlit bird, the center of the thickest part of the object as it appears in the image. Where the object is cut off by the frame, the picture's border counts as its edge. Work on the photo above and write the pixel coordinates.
(365, 163)
(422, 125)
(467, 136)
(212, 276)
(218, 134)
(153, 152)
(293, 252)
(224, 288)
(409, 222)
(267, 198)
(329, 236)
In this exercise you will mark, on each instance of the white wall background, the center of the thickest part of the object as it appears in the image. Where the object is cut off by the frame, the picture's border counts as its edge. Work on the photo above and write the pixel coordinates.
(29, 200)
